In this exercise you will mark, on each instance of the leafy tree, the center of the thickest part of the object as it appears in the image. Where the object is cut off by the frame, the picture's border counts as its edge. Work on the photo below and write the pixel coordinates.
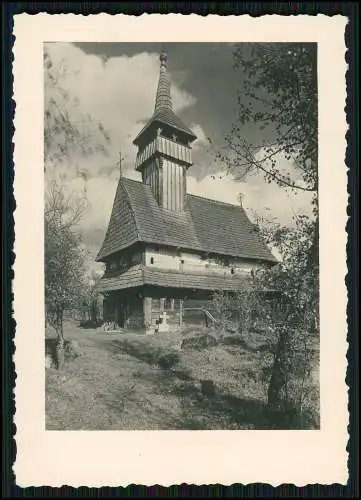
(90, 298)
(283, 302)
(278, 96)
(291, 318)
(294, 275)
(64, 256)
(278, 99)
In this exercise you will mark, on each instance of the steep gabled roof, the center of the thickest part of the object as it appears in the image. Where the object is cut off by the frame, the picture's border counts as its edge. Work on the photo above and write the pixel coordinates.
(122, 229)
(205, 225)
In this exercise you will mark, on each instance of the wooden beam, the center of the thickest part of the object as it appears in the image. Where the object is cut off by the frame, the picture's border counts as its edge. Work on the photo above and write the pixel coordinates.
(147, 310)
(181, 312)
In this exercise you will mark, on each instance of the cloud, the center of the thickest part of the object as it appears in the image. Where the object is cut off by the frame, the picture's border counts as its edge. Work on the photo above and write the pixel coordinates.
(118, 92)
(201, 142)
(257, 196)
(217, 187)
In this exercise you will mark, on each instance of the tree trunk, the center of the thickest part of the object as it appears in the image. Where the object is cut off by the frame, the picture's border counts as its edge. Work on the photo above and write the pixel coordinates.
(278, 377)
(60, 339)
(94, 311)
(313, 259)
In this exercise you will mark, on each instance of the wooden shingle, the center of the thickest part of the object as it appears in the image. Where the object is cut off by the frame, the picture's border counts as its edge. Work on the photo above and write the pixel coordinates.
(205, 225)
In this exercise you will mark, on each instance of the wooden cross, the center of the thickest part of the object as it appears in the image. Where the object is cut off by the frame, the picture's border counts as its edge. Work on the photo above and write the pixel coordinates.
(120, 162)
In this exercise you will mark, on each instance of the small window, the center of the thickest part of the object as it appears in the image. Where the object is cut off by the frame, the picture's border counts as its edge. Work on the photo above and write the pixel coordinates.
(152, 260)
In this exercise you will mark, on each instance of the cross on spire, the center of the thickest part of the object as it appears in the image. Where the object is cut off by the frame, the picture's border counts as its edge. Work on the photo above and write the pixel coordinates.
(119, 162)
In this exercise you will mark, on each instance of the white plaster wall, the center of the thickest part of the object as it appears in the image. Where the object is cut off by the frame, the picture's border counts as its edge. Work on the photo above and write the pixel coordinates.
(163, 261)
(193, 263)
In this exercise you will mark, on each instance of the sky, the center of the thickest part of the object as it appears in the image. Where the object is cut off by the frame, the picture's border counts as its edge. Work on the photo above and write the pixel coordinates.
(115, 83)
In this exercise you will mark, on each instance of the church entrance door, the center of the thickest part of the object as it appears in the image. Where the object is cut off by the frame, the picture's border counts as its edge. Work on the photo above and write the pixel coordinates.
(121, 316)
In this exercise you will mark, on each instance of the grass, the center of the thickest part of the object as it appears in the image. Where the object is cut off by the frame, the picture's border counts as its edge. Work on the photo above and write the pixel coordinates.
(136, 382)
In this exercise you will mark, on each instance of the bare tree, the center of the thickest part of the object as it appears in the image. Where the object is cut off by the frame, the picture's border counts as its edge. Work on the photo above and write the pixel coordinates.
(67, 131)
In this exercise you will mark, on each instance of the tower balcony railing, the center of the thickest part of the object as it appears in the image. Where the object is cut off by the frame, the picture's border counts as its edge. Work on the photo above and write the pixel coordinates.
(167, 147)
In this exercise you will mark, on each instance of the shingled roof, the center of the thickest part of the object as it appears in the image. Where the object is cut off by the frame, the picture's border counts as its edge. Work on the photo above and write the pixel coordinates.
(163, 109)
(205, 225)
(141, 275)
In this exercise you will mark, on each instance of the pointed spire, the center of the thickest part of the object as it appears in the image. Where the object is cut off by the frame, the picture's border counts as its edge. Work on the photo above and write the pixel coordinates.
(163, 97)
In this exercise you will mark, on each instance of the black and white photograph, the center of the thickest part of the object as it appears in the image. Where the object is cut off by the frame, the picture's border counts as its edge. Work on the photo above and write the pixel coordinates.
(181, 236)
(180, 292)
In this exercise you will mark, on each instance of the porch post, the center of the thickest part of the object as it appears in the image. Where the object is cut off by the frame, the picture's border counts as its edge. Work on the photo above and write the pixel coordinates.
(181, 312)
(147, 310)
(105, 309)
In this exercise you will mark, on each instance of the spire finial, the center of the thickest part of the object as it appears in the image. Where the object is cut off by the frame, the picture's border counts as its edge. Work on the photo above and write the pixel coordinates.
(163, 59)
(163, 97)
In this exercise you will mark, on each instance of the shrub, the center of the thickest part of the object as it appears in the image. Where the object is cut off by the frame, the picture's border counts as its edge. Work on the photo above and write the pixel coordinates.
(199, 341)
(168, 360)
(289, 356)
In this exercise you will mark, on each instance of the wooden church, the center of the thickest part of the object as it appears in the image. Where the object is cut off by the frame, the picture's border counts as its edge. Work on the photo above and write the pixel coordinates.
(164, 249)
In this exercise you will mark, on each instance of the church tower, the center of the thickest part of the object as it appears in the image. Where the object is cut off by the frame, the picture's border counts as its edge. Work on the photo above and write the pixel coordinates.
(164, 149)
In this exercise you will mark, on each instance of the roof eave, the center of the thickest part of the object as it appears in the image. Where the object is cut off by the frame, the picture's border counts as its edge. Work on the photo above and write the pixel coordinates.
(192, 137)
(103, 257)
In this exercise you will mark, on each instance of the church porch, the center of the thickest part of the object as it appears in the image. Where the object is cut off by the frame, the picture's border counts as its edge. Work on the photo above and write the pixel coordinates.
(141, 308)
